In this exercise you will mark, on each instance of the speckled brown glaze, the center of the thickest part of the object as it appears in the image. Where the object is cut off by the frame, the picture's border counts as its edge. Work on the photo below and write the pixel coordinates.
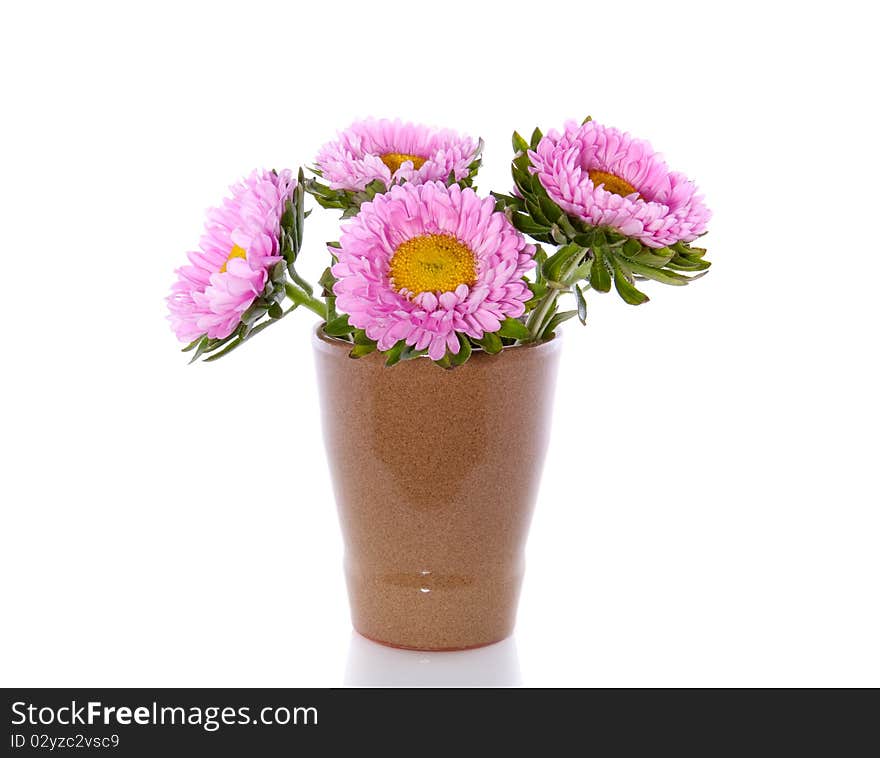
(435, 474)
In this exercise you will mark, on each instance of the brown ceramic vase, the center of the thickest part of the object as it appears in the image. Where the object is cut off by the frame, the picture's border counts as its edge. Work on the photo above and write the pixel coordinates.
(435, 473)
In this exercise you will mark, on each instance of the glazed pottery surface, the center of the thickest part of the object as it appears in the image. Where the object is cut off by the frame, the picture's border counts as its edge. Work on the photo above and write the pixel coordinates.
(435, 473)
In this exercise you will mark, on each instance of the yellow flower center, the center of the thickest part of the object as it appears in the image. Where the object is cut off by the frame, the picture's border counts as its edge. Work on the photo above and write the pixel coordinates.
(395, 160)
(612, 183)
(236, 252)
(432, 263)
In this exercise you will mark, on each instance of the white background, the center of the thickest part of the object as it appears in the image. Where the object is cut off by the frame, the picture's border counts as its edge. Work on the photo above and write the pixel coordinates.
(709, 508)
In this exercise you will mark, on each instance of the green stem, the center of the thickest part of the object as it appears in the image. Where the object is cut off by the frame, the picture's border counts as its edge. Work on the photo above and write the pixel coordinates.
(547, 304)
(316, 307)
(538, 315)
(302, 283)
(331, 308)
(301, 297)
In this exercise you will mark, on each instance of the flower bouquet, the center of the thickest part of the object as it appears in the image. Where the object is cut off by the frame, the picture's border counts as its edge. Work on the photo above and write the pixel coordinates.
(437, 305)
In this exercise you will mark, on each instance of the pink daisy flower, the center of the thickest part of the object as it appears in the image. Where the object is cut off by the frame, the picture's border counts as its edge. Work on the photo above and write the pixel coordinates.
(607, 178)
(422, 262)
(394, 152)
(229, 271)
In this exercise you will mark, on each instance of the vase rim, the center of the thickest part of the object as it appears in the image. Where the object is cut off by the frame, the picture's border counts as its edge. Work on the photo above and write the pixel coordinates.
(322, 340)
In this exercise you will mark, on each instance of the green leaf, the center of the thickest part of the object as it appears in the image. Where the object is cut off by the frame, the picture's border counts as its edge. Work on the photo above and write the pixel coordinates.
(192, 344)
(503, 201)
(393, 355)
(360, 338)
(288, 217)
(409, 352)
(600, 276)
(491, 343)
(540, 257)
(514, 328)
(278, 294)
(522, 179)
(330, 204)
(581, 272)
(202, 346)
(525, 224)
(567, 227)
(225, 351)
(534, 210)
(275, 311)
(634, 250)
(557, 235)
(554, 322)
(653, 258)
(327, 281)
(562, 261)
(537, 135)
(445, 361)
(659, 275)
(216, 344)
(375, 187)
(268, 292)
(631, 248)
(688, 263)
(359, 351)
(519, 144)
(279, 271)
(684, 248)
(299, 197)
(316, 189)
(236, 341)
(338, 327)
(538, 289)
(581, 303)
(474, 165)
(625, 288)
(254, 313)
(464, 351)
(551, 211)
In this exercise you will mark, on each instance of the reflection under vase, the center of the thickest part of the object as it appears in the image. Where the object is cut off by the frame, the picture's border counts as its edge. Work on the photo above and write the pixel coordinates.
(373, 665)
